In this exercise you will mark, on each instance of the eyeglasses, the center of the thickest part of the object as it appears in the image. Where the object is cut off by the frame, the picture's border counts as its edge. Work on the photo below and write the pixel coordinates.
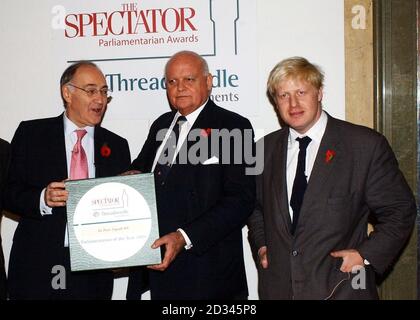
(105, 92)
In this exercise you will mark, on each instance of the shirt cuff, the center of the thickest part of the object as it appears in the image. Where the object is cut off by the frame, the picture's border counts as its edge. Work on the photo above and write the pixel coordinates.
(186, 238)
(43, 208)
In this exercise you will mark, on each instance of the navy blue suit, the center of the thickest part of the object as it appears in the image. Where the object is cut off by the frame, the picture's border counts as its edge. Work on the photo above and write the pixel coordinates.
(38, 158)
(4, 163)
(211, 203)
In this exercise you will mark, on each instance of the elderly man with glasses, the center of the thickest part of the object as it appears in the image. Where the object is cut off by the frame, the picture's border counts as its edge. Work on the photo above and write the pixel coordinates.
(45, 152)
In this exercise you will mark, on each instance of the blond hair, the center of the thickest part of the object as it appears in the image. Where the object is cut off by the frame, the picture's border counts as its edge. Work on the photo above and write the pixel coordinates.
(294, 68)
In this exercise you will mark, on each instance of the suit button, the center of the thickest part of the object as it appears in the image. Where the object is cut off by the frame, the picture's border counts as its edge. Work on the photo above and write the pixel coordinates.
(294, 253)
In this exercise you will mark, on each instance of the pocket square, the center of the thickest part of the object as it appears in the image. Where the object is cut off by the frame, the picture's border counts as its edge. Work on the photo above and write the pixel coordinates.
(212, 160)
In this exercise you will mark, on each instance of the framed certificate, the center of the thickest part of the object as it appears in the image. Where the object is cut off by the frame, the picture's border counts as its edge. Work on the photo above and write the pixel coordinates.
(112, 222)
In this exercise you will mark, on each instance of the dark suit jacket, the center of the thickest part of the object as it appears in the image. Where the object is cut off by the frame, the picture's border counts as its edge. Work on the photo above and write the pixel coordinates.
(361, 179)
(4, 164)
(211, 203)
(38, 158)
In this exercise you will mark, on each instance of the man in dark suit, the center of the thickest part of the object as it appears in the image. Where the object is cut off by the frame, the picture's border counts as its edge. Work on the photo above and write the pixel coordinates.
(203, 198)
(322, 179)
(4, 164)
(44, 154)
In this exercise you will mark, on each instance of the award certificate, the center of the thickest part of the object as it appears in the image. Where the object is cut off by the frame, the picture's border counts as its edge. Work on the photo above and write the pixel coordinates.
(112, 222)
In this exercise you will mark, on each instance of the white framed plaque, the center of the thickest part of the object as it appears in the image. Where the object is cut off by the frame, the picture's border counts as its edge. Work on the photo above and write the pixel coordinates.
(112, 222)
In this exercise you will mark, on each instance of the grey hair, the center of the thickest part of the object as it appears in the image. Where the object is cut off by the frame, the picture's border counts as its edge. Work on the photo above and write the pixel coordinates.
(203, 62)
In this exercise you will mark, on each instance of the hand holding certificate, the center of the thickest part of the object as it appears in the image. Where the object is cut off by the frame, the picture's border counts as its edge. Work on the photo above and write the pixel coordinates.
(112, 222)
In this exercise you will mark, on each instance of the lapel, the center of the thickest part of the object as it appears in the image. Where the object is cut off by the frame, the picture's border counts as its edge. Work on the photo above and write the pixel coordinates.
(277, 171)
(204, 120)
(99, 142)
(323, 170)
(164, 124)
(57, 147)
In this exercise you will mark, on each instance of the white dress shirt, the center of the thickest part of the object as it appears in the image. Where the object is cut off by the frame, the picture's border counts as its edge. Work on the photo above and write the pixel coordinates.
(315, 133)
(70, 138)
(183, 133)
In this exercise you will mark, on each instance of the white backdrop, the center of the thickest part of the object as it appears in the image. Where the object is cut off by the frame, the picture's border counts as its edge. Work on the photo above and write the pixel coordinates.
(32, 63)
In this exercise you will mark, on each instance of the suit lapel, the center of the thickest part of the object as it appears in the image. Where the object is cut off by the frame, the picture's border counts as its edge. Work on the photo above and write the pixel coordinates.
(163, 125)
(98, 159)
(57, 147)
(279, 182)
(323, 169)
(204, 120)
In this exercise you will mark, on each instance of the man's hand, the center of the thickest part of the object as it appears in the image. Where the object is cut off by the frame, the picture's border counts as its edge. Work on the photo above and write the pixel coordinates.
(352, 260)
(130, 172)
(262, 255)
(174, 242)
(56, 195)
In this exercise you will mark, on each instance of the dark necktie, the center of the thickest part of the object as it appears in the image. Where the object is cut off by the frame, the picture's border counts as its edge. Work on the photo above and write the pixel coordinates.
(300, 183)
(163, 166)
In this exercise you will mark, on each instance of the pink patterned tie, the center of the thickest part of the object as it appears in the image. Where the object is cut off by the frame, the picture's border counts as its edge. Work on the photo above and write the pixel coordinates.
(79, 165)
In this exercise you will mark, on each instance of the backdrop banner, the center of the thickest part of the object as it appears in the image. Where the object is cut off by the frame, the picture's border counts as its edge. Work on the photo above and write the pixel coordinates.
(131, 42)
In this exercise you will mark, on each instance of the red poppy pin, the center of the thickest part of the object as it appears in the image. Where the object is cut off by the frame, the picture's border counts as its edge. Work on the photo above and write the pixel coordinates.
(205, 132)
(105, 151)
(329, 155)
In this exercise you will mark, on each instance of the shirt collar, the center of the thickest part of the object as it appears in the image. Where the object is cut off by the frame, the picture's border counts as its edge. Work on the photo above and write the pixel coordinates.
(193, 115)
(315, 133)
(70, 127)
